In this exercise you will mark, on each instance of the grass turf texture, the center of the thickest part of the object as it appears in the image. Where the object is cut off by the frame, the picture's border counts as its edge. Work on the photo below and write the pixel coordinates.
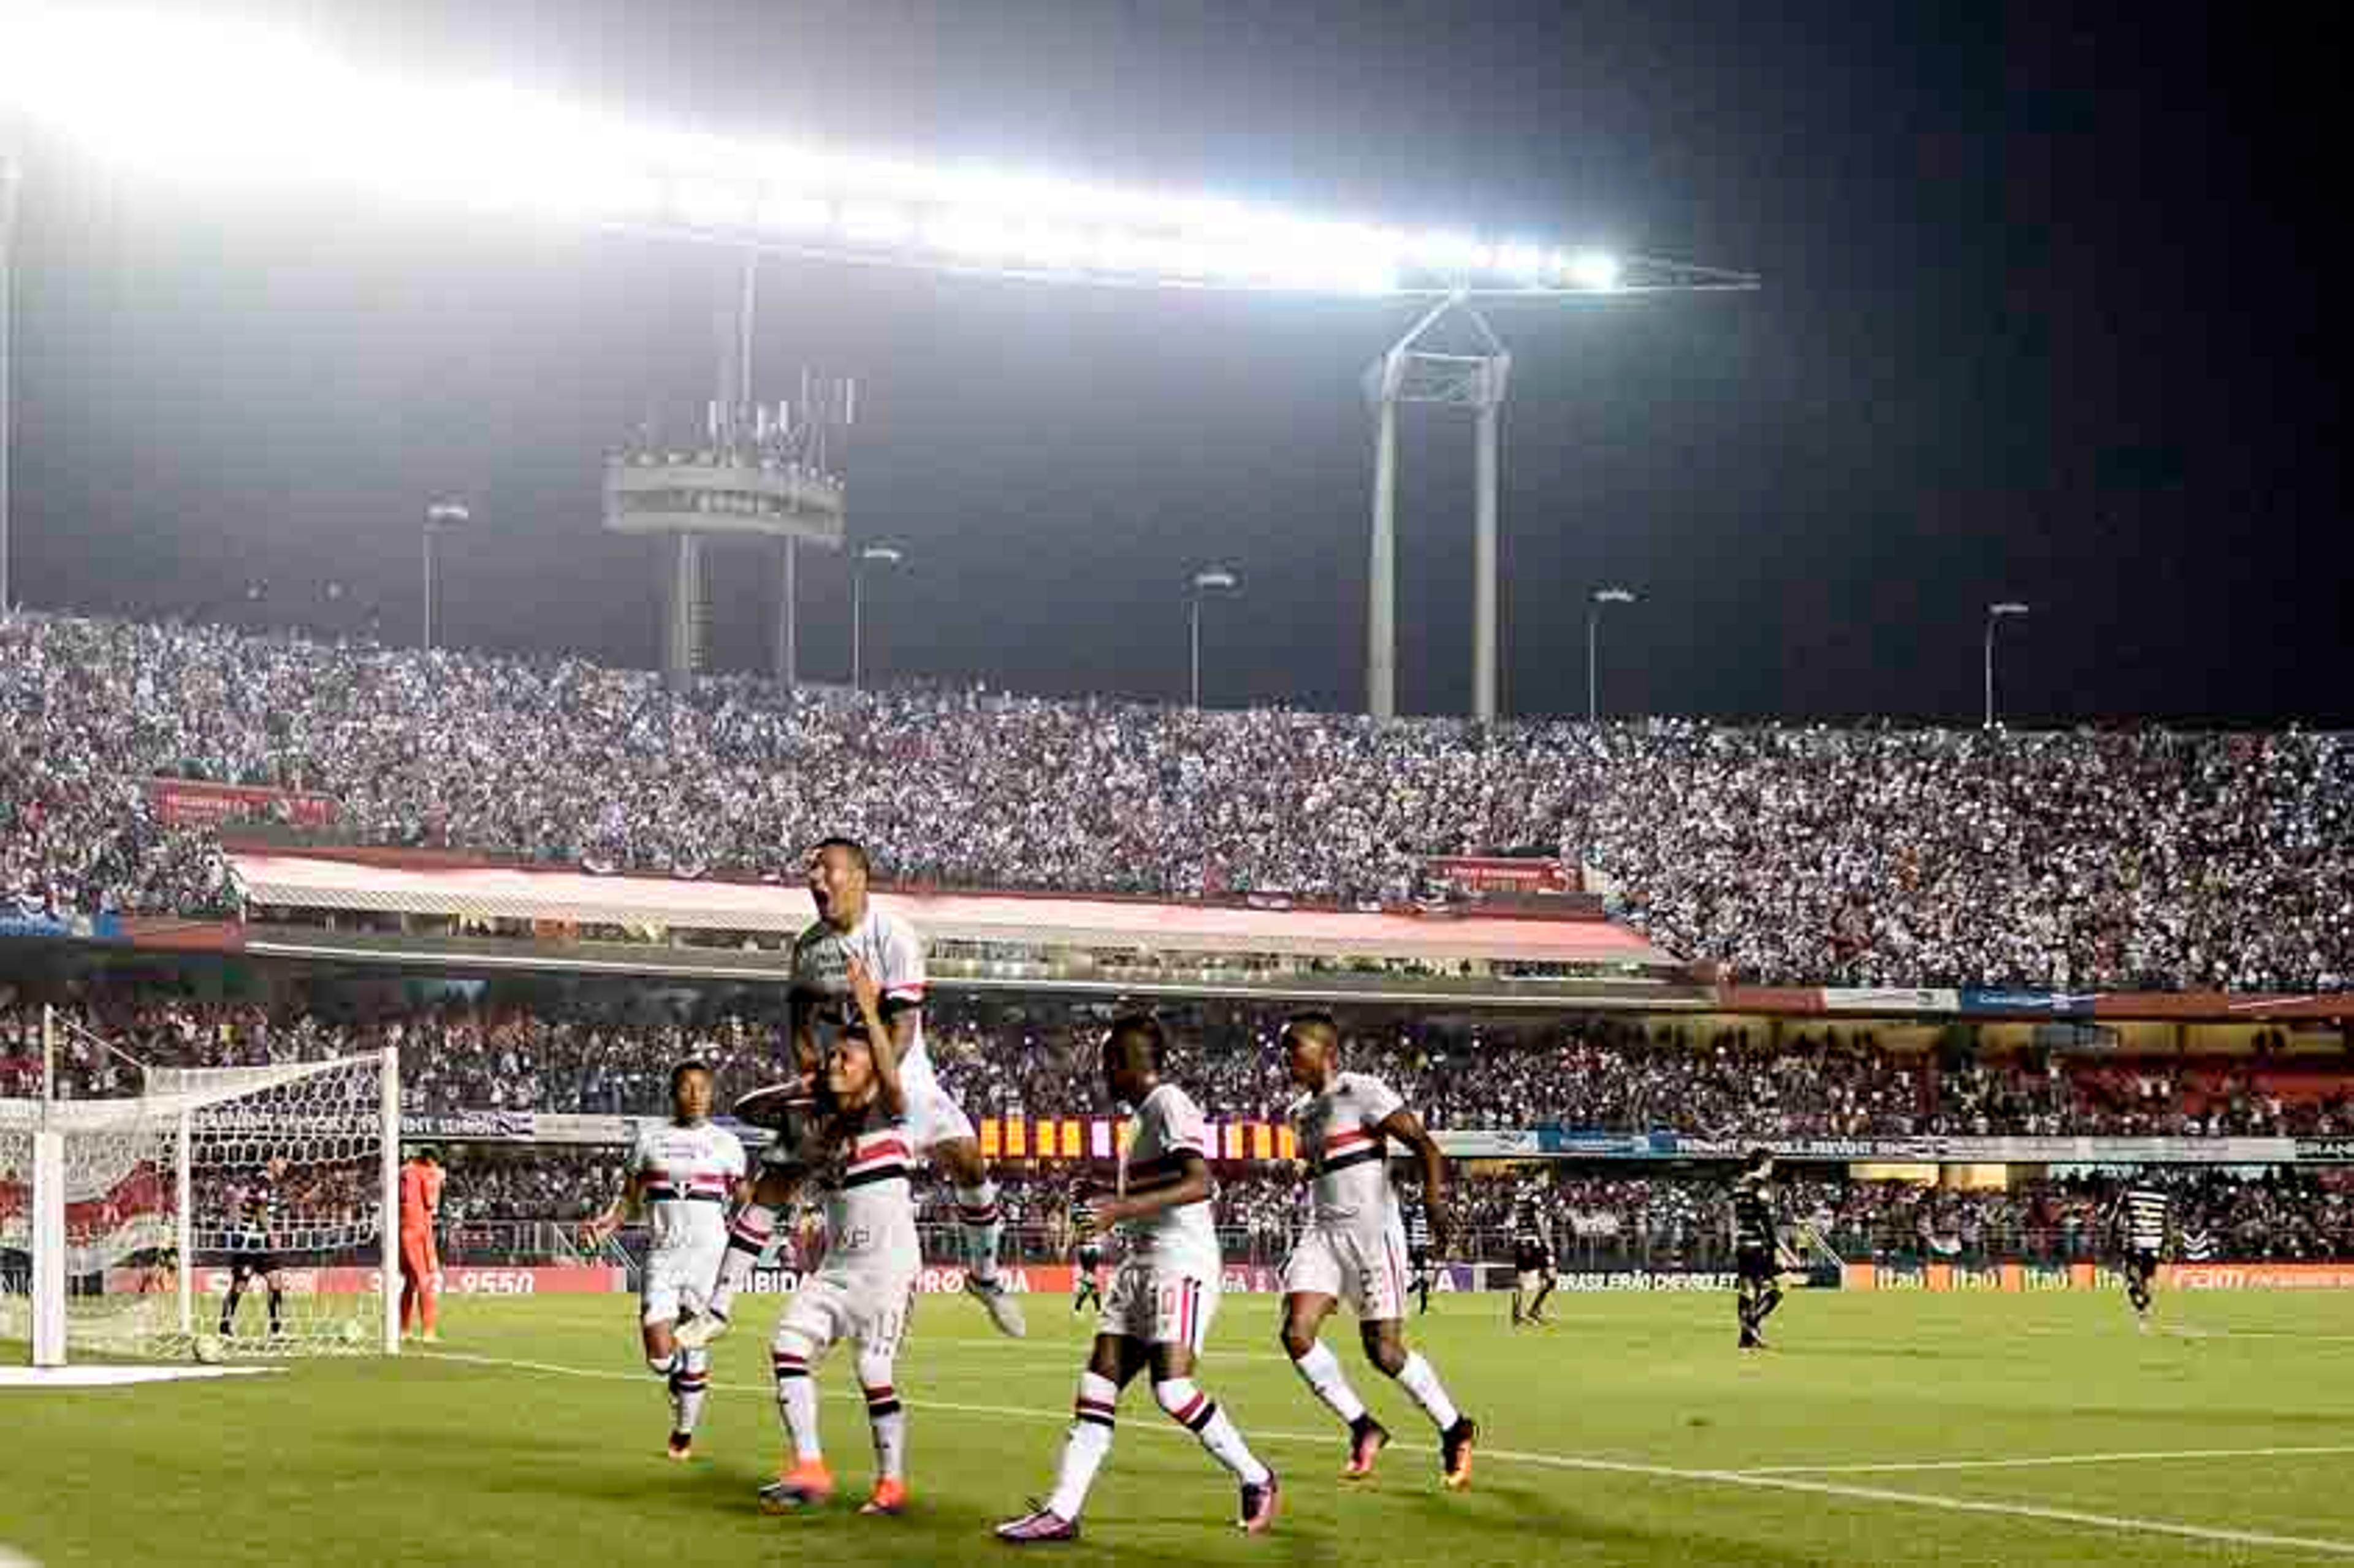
(436, 1459)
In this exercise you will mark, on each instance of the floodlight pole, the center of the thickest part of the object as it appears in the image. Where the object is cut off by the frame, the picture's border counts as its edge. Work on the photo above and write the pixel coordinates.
(1483, 550)
(1594, 646)
(873, 555)
(1380, 588)
(1409, 374)
(1994, 613)
(1208, 580)
(9, 182)
(439, 517)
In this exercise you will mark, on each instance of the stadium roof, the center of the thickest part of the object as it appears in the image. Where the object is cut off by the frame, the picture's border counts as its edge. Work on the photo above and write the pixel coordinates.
(307, 882)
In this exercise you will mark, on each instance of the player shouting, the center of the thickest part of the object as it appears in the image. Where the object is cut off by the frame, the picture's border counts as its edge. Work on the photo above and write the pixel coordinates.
(849, 927)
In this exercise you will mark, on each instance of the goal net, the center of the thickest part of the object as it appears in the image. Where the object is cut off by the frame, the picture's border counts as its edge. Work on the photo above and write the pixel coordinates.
(223, 1212)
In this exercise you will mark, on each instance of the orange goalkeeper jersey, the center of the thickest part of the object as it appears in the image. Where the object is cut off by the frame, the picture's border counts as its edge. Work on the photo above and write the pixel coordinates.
(420, 1197)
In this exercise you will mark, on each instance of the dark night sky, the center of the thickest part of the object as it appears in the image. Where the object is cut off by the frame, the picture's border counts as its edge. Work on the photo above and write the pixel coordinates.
(2045, 316)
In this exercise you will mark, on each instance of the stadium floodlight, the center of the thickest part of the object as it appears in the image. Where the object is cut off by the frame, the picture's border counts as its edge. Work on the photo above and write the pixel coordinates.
(208, 98)
(2003, 609)
(1599, 598)
(440, 517)
(216, 99)
(1208, 581)
(884, 557)
(1596, 271)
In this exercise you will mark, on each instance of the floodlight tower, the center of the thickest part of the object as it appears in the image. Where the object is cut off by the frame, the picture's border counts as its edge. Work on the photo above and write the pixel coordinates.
(754, 474)
(216, 97)
(1410, 372)
(1474, 375)
(8, 181)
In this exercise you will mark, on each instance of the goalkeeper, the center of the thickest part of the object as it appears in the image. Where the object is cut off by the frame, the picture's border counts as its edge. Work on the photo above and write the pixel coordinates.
(420, 1260)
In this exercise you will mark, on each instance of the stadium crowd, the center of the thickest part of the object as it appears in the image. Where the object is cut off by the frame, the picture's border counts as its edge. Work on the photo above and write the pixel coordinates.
(610, 1052)
(1593, 1221)
(1806, 855)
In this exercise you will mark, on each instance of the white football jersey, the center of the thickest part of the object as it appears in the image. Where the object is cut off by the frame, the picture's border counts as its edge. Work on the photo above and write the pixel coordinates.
(870, 1207)
(688, 1174)
(1340, 1138)
(892, 952)
(1167, 1125)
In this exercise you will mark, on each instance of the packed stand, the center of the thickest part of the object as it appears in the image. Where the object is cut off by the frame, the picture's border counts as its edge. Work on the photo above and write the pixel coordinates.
(2280, 1215)
(1804, 855)
(612, 1052)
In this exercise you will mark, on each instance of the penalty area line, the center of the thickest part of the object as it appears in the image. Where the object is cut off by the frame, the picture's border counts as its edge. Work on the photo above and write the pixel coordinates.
(1749, 1479)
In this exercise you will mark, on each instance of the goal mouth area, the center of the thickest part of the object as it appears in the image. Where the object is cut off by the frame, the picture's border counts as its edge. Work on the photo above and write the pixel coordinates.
(239, 1216)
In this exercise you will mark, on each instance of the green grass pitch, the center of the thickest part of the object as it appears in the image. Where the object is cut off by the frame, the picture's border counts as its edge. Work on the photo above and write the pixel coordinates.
(2012, 1430)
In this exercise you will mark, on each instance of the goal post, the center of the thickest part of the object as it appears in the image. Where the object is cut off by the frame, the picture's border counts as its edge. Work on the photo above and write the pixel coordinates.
(222, 1212)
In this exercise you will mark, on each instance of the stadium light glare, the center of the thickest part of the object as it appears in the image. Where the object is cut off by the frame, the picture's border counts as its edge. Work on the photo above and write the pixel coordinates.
(868, 224)
(793, 211)
(1522, 263)
(1597, 270)
(210, 99)
(712, 204)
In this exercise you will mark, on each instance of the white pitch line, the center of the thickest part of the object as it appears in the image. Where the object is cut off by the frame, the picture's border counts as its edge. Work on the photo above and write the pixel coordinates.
(2039, 1461)
(2213, 1534)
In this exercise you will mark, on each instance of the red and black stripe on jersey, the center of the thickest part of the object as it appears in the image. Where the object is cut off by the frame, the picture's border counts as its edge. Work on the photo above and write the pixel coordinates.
(660, 1187)
(1349, 1146)
(887, 1159)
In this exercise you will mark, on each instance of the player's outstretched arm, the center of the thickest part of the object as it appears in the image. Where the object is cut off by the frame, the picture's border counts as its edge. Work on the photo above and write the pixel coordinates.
(627, 1202)
(1407, 1129)
(887, 1045)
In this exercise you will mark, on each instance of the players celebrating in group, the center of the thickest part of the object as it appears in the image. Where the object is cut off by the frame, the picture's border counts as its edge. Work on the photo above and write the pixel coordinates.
(850, 927)
(1355, 1249)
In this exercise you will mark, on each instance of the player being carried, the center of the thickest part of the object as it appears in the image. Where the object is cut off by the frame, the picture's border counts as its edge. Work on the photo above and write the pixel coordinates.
(855, 1151)
(682, 1174)
(254, 1246)
(1354, 1247)
(1163, 1294)
(2142, 1221)
(849, 927)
